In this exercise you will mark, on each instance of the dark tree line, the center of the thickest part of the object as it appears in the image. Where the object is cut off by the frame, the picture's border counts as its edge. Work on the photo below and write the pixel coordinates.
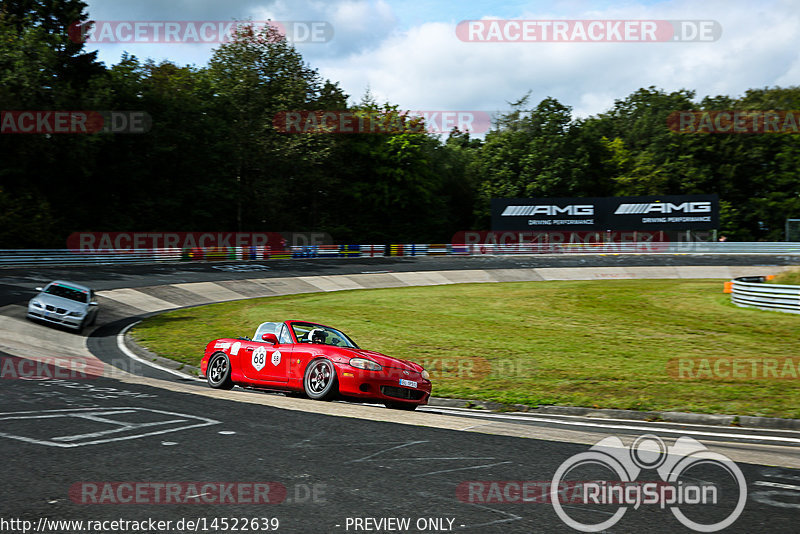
(214, 161)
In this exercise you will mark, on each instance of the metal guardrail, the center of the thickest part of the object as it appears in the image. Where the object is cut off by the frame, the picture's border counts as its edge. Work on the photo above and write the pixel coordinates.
(751, 291)
(641, 247)
(44, 257)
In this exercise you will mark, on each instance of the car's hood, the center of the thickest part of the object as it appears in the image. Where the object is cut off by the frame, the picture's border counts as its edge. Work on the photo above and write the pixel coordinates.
(60, 302)
(386, 361)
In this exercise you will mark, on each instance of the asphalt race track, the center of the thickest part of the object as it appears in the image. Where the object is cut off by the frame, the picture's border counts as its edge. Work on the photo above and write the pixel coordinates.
(117, 442)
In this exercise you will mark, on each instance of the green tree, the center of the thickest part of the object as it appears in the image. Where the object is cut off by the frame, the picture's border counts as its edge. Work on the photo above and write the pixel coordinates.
(255, 76)
(539, 152)
(388, 185)
(42, 69)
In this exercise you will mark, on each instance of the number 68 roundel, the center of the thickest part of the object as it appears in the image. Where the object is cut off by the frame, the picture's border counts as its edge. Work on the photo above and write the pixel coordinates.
(259, 358)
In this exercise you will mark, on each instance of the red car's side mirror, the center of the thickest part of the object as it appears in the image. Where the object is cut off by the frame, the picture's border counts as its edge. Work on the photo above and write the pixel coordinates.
(270, 338)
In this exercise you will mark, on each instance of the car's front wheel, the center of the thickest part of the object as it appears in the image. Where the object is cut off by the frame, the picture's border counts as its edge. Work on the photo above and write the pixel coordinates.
(218, 373)
(319, 381)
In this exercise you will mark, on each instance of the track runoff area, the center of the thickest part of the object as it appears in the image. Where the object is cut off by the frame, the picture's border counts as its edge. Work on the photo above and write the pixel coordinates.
(129, 447)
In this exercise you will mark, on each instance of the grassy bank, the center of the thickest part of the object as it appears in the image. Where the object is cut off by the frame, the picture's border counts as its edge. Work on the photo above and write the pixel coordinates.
(609, 344)
(790, 277)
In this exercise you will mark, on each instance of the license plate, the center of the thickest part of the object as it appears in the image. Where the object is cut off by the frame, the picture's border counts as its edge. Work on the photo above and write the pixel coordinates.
(408, 383)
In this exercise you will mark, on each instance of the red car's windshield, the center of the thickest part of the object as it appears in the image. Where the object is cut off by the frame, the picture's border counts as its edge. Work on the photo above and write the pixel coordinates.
(323, 335)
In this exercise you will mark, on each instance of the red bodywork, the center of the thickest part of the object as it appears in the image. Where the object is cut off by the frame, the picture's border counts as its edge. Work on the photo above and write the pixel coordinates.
(285, 364)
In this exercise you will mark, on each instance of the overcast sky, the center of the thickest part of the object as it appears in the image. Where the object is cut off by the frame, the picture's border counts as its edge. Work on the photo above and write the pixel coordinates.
(408, 53)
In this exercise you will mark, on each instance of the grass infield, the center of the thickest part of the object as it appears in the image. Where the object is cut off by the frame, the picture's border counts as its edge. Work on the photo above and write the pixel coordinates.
(790, 278)
(630, 344)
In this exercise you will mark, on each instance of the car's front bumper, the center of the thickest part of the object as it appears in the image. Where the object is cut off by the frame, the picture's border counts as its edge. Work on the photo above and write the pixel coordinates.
(55, 318)
(384, 386)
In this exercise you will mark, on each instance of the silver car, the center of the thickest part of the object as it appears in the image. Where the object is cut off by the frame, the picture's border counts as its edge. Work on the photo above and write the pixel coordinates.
(65, 303)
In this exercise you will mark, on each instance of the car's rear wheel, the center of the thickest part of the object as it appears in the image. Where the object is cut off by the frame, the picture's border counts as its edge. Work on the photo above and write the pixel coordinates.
(319, 381)
(400, 406)
(218, 373)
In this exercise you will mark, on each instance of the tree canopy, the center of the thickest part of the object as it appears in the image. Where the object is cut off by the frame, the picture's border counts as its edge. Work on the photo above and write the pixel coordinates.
(215, 161)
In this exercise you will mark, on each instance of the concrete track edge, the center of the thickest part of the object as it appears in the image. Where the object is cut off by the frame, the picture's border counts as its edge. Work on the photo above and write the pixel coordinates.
(127, 305)
(378, 280)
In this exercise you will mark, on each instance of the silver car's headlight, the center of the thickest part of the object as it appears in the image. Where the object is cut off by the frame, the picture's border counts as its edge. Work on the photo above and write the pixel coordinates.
(425, 374)
(36, 304)
(76, 314)
(363, 363)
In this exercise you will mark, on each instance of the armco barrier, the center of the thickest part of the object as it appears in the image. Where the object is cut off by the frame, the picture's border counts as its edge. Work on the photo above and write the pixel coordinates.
(45, 257)
(751, 291)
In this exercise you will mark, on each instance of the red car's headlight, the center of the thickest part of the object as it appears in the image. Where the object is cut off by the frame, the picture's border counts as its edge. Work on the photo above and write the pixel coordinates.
(363, 363)
(425, 375)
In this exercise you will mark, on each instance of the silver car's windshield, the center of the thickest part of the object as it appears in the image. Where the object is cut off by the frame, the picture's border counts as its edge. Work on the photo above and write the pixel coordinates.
(71, 293)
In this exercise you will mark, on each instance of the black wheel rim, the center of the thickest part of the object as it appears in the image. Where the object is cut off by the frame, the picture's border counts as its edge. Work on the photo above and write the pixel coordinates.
(319, 377)
(217, 369)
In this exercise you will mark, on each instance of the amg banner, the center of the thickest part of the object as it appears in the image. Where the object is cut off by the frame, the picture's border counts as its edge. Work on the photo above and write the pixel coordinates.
(663, 212)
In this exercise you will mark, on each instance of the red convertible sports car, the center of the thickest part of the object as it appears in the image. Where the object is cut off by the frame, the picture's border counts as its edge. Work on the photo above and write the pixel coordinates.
(320, 361)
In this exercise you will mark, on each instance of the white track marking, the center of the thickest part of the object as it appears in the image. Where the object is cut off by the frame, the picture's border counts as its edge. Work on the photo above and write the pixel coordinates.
(461, 469)
(638, 428)
(776, 485)
(365, 458)
(125, 350)
(478, 413)
(94, 412)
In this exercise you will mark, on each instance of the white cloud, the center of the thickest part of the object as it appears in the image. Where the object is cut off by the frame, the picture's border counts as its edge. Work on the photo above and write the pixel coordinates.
(174, 9)
(427, 67)
(357, 24)
(422, 65)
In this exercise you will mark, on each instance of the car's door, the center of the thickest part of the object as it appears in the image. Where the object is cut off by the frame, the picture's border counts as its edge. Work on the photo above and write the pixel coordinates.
(265, 362)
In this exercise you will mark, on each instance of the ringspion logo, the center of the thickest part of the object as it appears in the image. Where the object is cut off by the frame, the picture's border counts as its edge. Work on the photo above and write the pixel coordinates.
(691, 476)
